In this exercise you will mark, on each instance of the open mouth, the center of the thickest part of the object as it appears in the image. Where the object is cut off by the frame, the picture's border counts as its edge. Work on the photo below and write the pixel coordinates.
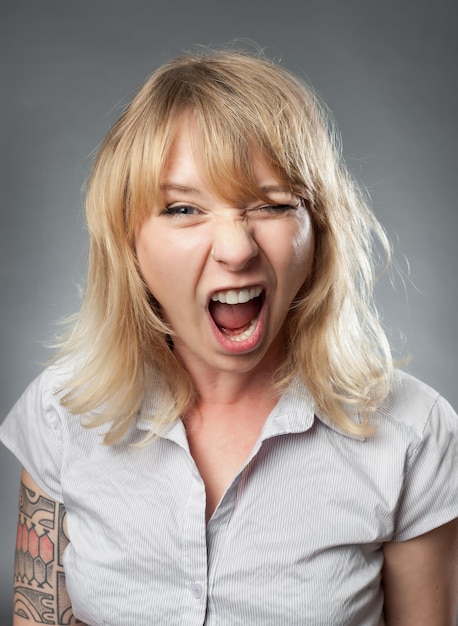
(236, 311)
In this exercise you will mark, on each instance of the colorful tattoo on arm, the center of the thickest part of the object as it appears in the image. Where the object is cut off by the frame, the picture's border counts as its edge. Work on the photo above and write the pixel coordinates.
(40, 594)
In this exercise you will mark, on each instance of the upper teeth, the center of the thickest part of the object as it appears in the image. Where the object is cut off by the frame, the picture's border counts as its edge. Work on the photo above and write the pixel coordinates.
(239, 296)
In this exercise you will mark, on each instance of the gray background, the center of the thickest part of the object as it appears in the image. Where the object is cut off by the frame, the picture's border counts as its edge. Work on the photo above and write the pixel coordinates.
(386, 69)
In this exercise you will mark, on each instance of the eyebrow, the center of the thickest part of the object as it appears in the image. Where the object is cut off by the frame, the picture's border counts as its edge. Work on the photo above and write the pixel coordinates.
(275, 188)
(180, 188)
(185, 189)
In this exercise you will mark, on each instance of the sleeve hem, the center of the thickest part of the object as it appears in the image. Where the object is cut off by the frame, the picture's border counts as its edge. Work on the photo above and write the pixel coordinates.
(29, 468)
(427, 525)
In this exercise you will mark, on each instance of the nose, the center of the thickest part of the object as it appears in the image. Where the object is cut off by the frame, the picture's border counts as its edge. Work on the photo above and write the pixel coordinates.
(233, 243)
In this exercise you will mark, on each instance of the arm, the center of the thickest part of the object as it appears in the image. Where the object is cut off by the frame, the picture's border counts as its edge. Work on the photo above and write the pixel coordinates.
(420, 579)
(40, 594)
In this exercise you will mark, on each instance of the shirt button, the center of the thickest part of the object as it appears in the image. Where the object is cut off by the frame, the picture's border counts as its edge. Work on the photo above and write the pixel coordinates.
(196, 591)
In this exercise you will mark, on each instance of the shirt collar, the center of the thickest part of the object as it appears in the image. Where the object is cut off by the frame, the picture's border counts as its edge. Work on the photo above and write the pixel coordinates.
(295, 412)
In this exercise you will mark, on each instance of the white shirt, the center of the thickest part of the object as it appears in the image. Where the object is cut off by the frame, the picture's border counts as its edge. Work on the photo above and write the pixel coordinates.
(296, 539)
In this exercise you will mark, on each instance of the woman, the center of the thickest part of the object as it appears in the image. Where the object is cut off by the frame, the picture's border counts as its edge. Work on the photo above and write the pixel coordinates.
(223, 439)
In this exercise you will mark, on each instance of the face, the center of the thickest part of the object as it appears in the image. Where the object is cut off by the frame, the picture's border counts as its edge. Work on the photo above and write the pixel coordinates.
(223, 273)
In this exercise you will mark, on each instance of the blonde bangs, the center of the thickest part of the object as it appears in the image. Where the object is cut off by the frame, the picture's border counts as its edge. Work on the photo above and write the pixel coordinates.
(237, 110)
(239, 106)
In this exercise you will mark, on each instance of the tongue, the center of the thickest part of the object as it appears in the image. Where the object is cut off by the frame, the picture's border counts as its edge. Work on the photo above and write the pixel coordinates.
(234, 316)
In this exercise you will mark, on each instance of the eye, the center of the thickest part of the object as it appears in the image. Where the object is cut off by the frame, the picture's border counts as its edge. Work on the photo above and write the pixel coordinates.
(271, 210)
(277, 208)
(180, 209)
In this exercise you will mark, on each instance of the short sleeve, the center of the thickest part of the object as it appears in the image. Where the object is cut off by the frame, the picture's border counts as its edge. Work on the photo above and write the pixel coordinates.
(430, 491)
(32, 433)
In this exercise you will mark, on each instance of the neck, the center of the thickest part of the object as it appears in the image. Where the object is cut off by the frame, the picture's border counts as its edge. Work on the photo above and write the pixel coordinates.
(229, 382)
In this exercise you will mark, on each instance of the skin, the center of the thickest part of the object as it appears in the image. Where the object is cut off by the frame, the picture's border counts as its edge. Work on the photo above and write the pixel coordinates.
(420, 579)
(197, 243)
(185, 255)
(40, 593)
(420, 576)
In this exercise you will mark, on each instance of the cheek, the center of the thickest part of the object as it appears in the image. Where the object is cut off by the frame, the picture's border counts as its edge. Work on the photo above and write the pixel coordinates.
(306, 253)
(143, 253)
(151, 257)
(303, 248)
(169, 261)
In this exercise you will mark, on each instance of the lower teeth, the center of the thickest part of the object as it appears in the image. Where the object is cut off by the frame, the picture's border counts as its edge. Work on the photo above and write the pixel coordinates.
(246, 333)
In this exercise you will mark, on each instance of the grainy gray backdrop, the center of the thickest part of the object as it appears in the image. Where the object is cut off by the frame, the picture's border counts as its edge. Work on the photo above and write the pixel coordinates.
(386, 69)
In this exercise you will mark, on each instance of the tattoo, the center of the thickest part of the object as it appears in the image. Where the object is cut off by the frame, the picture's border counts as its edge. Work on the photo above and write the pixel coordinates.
(34, 605)
(63, 540)
(40, 593)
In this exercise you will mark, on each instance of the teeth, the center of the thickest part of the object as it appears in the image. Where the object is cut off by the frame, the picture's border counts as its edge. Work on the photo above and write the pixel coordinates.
(246, 334)
(232, 296)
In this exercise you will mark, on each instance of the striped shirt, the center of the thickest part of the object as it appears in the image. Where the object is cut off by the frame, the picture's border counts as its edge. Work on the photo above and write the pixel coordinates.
(297, 538)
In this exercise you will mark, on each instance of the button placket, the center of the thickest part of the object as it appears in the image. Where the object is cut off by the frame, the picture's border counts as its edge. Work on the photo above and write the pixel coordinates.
(195, 554)
(196, 591)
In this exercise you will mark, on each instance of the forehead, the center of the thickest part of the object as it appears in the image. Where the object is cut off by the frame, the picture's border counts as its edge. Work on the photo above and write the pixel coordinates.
(191, 165)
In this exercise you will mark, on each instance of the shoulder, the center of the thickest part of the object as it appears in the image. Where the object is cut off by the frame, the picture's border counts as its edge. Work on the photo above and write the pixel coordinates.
(420, 427)
(34, 430)
(412, 404)
(38, 415)
(42, 396)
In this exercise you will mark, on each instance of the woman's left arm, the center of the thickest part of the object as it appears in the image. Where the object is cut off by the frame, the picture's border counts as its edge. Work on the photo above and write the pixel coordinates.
(420, 579)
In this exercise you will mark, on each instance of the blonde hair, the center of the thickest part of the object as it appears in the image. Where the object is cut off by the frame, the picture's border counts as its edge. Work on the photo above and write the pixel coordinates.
(240, 103)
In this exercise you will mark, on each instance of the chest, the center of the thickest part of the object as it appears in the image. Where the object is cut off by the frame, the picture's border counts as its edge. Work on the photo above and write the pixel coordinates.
(219, 454)
(288, 526)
